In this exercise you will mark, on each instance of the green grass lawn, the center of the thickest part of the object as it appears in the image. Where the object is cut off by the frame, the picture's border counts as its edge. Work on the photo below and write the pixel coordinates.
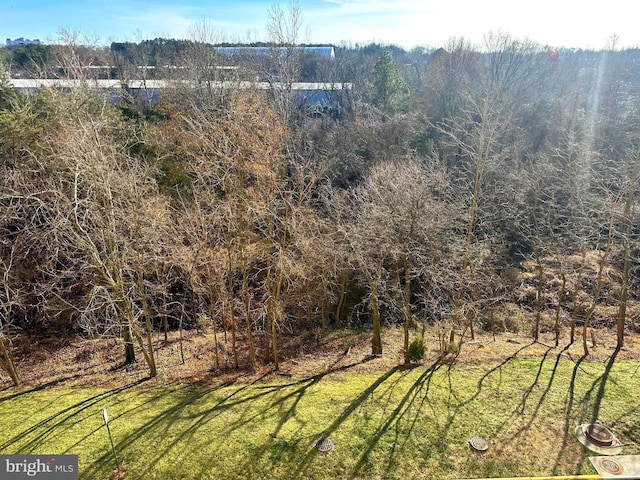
(403, 423)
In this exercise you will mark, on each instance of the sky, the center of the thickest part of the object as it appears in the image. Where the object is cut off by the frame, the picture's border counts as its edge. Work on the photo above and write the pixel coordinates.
(407, 23)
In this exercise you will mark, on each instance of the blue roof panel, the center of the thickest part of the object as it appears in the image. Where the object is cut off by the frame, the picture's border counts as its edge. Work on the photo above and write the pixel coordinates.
(263, 51)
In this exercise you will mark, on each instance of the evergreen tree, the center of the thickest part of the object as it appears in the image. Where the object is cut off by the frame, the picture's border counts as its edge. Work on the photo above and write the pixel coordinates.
(389, 91)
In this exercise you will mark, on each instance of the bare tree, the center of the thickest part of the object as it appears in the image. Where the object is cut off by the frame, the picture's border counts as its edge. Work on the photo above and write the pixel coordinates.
(233, 144)
(402, 213)
(285, 32)
(453, 71)
(7, 300)
(629, 198)
(103, 203)
(477, 136)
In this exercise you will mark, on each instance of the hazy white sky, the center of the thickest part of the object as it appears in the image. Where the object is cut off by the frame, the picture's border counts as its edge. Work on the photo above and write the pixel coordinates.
(569, 23)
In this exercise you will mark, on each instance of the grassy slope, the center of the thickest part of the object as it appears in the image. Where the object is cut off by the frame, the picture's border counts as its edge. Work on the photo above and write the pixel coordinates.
(402, 423)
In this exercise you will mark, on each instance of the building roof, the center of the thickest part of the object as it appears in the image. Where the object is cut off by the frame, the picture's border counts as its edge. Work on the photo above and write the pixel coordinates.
(22, 41)
(326, 51)
(37, 83)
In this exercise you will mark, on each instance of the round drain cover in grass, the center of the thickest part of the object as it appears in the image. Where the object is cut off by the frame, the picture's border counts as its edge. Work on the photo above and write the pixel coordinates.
(598, 438)
(478, 443)
(324, 446)
(599, 434)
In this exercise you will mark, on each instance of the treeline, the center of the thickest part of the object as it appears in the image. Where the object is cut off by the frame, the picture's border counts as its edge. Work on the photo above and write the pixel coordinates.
(473, 188)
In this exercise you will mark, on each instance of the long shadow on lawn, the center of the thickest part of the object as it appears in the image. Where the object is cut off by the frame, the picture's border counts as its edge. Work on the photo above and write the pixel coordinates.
(520, 410)
(162, 423)
(66, 418)
(418, 391)
(37, 388)
(396, 416)
(570, 411)
(586, 411)
(461, 403)
(528, 392)
(498, 368)
(158, 426)
(287, 413)
(602, 383)
(346, 413)
(283, 413)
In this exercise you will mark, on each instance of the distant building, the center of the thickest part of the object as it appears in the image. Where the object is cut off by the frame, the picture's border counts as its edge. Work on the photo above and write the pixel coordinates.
(326, 51)
(314, 98)
(22, 41)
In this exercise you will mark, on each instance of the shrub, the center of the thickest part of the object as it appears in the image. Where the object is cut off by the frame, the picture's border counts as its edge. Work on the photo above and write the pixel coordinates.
(416, 349)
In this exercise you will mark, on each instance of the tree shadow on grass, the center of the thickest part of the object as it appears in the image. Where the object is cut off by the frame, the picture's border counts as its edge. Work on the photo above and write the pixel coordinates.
(529, 391)
(411, 403)
(497, 369)
(460, 404)
(36, 388)
(588, 406)
(284, 413)
(285, 408)
(161, 425)
(37, 434)
(455, 406)
(592, 400)
(157, 427)
(419, 389)
(305, 462)
(582, 409)
(528, 396)
(404, 416)
(602, 383)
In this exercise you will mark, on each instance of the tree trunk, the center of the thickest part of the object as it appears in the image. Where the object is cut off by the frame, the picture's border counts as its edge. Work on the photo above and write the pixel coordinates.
(596, 294)
(624, 297)
(180, 333)
(624, 292)
(341, 297)
(556, 325)
(129, 351)
(228, 304)
(376, 340)
(268, 314)
(323, 310)
(246, 294)
(149, 352)
(274, 343)
(6, 361)
(212, 317)
(536, 324)
(274, 325)
(576, 291)
(147, 346)
(406, 307)
(247, 311)
(165, 318)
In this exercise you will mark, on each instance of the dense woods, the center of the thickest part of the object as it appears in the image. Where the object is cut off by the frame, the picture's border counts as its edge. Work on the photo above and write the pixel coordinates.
(489, 187)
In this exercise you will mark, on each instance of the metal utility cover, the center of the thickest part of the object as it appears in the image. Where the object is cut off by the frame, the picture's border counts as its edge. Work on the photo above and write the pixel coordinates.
(617, 466)
(324, 446)
(479, 443)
